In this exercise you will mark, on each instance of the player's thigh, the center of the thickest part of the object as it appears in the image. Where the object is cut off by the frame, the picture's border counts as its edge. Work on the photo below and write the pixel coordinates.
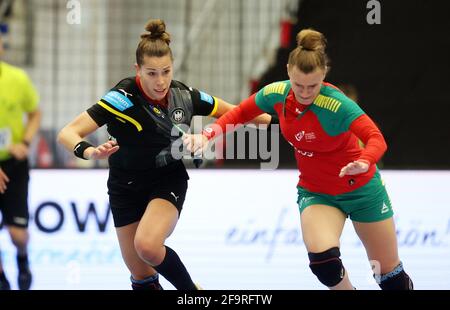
(322, 227)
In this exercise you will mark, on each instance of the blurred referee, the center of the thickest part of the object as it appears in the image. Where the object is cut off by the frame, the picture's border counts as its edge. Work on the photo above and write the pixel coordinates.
(18, 97)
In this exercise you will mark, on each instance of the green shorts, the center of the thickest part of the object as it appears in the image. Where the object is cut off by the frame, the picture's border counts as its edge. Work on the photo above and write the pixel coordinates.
(369, 203)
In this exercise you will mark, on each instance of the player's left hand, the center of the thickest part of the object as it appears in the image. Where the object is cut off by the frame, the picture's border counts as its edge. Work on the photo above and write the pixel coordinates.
(355, 167)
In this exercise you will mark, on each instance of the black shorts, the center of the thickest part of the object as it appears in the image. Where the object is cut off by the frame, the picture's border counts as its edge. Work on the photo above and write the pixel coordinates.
(14, 202)
(129, 196)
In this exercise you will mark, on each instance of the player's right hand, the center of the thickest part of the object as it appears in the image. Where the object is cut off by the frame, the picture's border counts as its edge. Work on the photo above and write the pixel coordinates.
(102, 151)
(196, 143)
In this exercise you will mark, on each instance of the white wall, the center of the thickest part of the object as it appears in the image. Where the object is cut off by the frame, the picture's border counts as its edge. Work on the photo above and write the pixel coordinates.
(215, 237)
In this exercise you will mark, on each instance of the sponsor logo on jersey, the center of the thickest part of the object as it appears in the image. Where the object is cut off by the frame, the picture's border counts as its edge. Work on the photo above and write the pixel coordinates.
(118, 100)
(207, 98)
(178, 115)
(309, 136)
(158, 112)
(303, 153)
(125, 93)
(299, 136)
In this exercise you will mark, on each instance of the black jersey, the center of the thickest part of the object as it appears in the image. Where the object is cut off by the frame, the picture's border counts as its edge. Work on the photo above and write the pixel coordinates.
(141, 128)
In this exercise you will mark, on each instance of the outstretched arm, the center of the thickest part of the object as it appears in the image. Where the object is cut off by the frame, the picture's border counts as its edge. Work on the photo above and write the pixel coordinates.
(223, 107)
(240, 114)
(73, 133)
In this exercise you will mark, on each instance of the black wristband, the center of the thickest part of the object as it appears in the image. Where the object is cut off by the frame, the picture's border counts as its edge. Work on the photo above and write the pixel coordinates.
(79, 149)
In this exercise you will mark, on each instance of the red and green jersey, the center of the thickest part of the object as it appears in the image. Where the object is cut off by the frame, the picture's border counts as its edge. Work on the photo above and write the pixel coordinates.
(325, 134)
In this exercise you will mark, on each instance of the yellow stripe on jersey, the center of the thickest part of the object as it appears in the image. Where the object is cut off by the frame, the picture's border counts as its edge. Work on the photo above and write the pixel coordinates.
(216, 106)
(126, 117)
(275, 88)
(327, 103)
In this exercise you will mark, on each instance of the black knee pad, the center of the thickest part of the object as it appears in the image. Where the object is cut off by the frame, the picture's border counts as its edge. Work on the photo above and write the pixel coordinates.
(397, 279)
(327, 266)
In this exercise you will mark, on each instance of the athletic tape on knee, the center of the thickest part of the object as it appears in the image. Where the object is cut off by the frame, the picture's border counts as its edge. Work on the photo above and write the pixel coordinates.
(383, 277)
(145, 281)
(397, 279)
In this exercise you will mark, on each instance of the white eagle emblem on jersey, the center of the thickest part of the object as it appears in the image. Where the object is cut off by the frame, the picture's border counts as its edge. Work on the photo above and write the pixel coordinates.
(178, 115)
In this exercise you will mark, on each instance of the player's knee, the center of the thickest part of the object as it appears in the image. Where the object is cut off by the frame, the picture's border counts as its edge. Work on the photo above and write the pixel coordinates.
(148, 250)
(327, 266)
(20, 238)
(20, 242)
(397, 279)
